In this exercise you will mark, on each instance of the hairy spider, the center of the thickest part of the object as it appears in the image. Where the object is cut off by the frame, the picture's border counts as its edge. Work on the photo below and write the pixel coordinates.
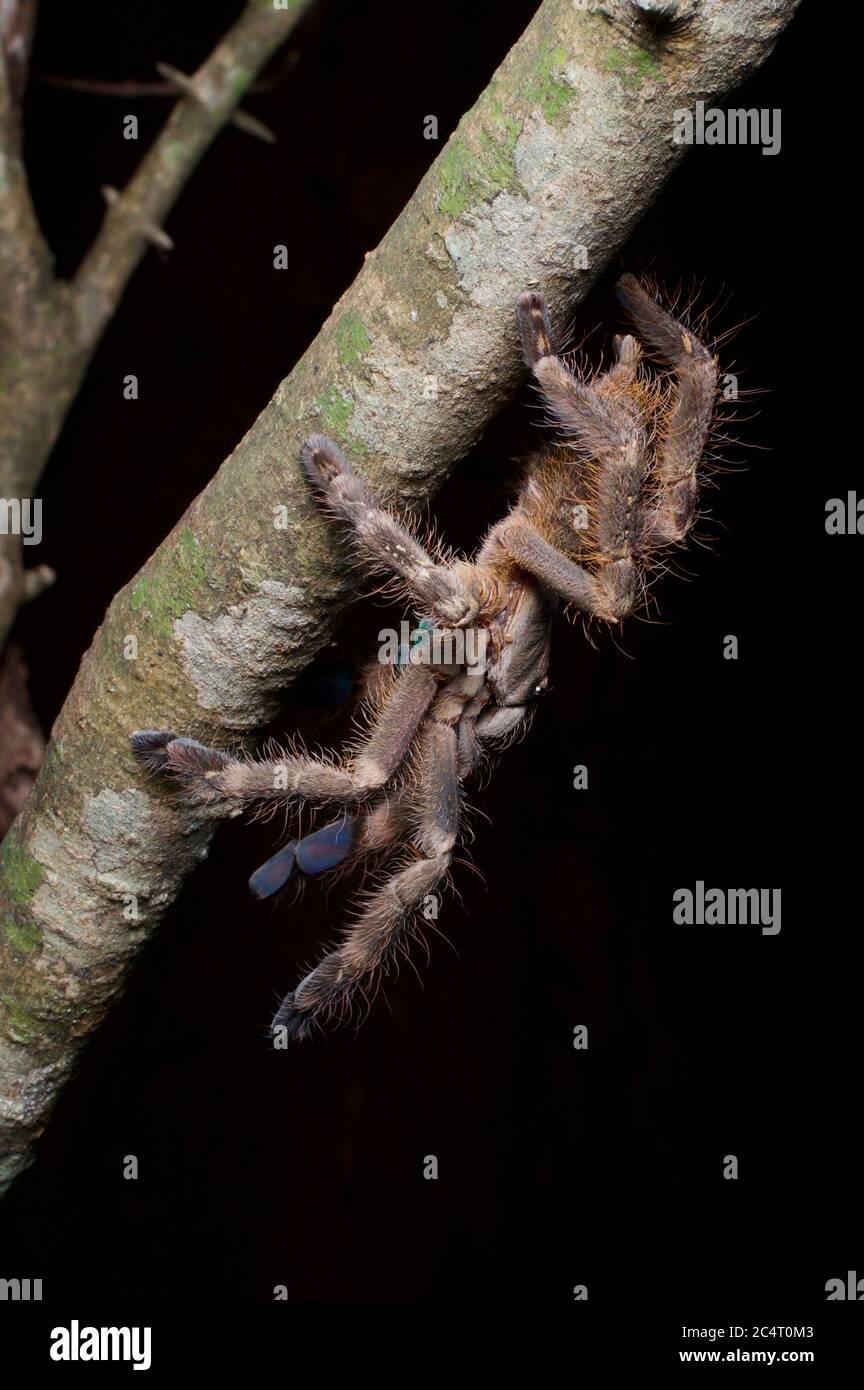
(597, 508)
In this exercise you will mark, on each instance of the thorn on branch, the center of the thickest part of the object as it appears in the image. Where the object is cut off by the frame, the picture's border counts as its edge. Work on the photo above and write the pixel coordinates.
(178, 80)
(125, 88)
(157, 236)
(250, 125)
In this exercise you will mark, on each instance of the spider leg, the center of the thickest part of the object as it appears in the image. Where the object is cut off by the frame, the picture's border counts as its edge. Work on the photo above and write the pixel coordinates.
(383, 823)
(381, 929)
(225, 782)
(607, 429)
(610, 596)
(606, 426)
(670, 517)
(564, 577)
(384, 542)
(445, 758)
(378, 829)
(500, 721)
(623, 372)
(342, 844)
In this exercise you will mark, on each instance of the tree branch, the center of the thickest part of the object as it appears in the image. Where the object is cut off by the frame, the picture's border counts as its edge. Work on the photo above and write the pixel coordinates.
(48, 328)
(213, 93)
(25, 260)
(568, 145)
(17, 24)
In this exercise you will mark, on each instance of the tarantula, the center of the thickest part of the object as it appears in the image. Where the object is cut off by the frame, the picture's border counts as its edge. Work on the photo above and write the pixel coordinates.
(596, 509)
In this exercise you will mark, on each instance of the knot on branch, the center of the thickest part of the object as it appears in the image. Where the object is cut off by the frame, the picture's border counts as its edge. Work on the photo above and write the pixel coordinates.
(662, 12)
(647, 22)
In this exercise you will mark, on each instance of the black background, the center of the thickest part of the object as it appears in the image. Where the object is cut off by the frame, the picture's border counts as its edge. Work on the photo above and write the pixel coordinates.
(557, 1167)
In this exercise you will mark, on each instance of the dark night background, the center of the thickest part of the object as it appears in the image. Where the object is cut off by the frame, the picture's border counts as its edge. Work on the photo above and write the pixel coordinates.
(557, 1167)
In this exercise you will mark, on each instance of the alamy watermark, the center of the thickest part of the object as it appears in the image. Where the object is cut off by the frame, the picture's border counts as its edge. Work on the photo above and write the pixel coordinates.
(20, 1290)
(21, 516)
(727, 907)
(738, 126)
(842, 1289)
(844, 516)
(77, 1343)
(427, 645)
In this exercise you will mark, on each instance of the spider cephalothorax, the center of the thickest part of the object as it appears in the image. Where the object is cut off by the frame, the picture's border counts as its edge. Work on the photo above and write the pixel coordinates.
(593, 515)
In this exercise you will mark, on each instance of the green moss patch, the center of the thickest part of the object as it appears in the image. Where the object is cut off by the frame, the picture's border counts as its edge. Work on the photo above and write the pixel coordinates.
(335, 408)
(20, 873)
(22, 1026)
(633, 65)
(352, 338)
(469, 175)
(545, 89)
(25, 937)
(174, 585)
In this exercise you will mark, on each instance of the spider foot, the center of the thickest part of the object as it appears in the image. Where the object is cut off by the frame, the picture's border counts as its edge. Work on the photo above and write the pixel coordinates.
(535, 328)
(298, 1025)
(671, 342)
(159, 750)
(149, 747)
(323, 461)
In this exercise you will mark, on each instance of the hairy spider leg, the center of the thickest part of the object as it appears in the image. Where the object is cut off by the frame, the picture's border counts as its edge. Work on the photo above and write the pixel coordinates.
(675, 346)
(385, 543)
(221, 780)
(434, 804)
(609, 431)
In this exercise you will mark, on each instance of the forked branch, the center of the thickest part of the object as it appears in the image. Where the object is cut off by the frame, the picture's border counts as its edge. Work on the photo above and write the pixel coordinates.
(49, 328)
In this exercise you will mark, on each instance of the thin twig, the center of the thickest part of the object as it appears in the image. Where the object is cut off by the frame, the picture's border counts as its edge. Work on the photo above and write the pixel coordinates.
(215, 90)
(133, 88)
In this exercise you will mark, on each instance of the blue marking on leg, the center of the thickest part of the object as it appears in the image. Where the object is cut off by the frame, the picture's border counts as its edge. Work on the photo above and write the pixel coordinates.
(271, 876)
(326, 848)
